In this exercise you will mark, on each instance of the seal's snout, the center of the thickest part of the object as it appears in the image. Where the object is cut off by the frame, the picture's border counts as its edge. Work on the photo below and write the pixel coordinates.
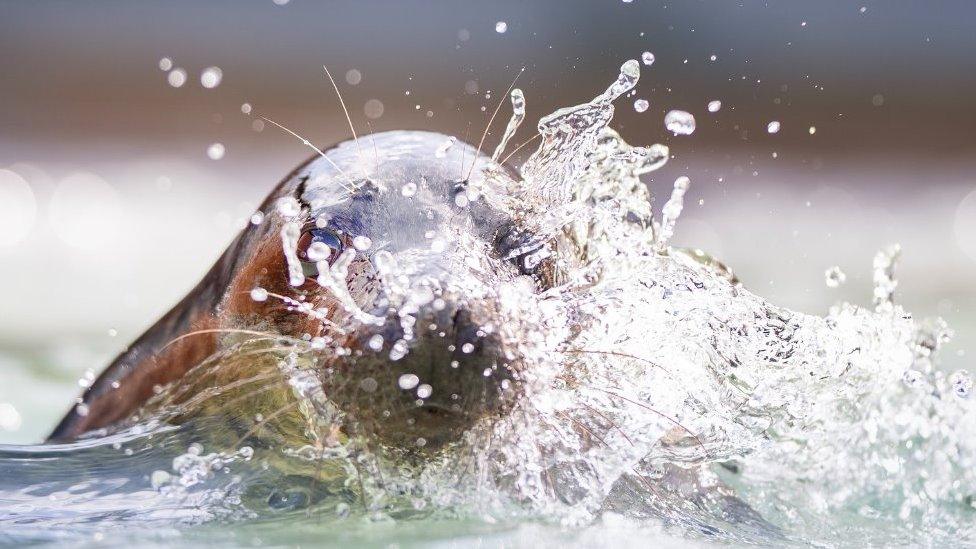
(422, 380)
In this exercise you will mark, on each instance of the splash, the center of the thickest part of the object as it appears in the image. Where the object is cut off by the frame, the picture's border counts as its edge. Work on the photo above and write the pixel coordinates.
(660, 389)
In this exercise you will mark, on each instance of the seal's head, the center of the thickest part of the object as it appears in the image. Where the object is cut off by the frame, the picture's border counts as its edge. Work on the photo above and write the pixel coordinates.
(396, 256)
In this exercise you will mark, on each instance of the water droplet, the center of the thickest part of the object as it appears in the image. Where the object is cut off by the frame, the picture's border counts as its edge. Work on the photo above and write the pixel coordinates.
(834, 277)
(713, 57)
(812, 130)
(10, 419)
(467, 348)
(81, 410)
(373, 109)
(408, 381)
(714, 106)
(647, 58)
(159, 478)
(353, 77)
(165, 64)
(318, 251)
(257, 218)
(408, 189)
(501, 27)
(246, 108)
(216, 151)
(362, 243)
(424, 391)
(176, 78)
(259, 294)
(399, 350)
(962, 383)
(877, 100)
(441, 151)
(772, 127)
(210, 77)
(679, 122)
(641, 105)
(288, 206)
(376, 342)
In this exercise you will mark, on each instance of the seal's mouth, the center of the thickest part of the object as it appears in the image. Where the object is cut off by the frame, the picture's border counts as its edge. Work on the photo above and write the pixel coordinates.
(420, 382)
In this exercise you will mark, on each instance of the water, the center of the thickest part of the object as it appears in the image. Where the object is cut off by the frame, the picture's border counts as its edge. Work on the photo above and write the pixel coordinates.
(665, 401)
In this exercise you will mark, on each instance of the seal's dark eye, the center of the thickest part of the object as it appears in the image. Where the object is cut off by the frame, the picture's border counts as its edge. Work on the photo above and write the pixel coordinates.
(317, 244)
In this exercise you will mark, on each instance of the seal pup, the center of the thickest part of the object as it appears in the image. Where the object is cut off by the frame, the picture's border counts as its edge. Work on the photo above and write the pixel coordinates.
(390, 257)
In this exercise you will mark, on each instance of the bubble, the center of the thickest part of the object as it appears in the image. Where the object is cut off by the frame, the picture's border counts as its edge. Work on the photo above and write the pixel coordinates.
(246, 108)
(18, 208)
(714, 106)
(834, 277)
(679, 122)
(408, 189)
(878, 100)
(369, 385)
(641, 105)
(216, 151)
(713, 57)
(210, 77)
(176, 78)
(257, 218)
(467, 348)
(159, 478)
(373, 109)
(85, 211)
(353, 77)
(424, 391)
(501, 27)
(647, 58)
(964, 225)
(165, 64)
(772, 127)
(812, 130)
(408, 381)
(259, 294)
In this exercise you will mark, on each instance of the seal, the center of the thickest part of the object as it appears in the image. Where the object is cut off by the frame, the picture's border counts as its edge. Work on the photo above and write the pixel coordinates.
(389, 252)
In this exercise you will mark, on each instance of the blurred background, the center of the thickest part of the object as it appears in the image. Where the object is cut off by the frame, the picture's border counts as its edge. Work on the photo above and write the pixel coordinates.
(132, 149)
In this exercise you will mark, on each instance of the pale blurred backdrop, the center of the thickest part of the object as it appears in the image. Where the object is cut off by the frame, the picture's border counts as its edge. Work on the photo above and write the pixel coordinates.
(118, 188)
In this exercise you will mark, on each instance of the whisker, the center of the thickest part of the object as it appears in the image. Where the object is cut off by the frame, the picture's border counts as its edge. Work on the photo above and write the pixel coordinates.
(517, 149)
(376, 154)
(311, 314)
(612, 422)
(309, 144)
(346, 111)
(490, 120)
(259, 335)
(614, 353)
(665, 416)
(264, 421)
